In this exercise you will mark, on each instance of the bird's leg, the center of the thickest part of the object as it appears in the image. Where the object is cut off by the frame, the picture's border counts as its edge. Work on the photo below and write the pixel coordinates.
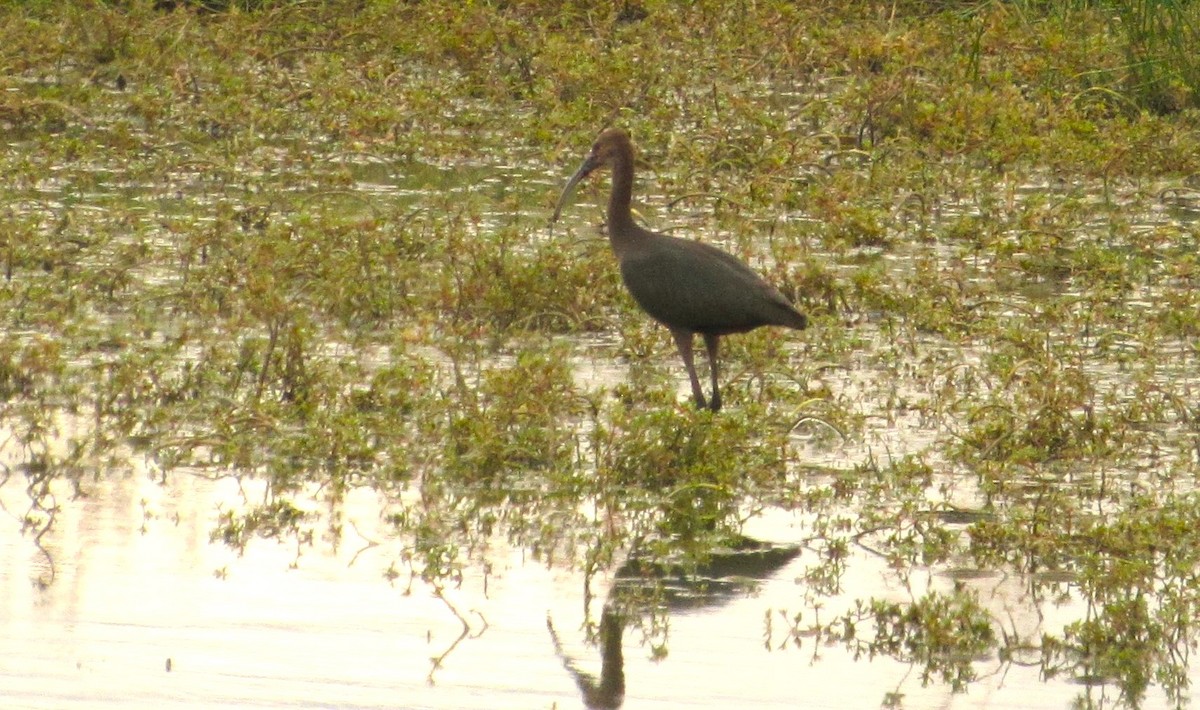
(683, 342)
(713, 343)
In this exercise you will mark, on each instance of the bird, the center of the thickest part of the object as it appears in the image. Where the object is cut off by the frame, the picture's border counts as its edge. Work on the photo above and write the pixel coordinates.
(691, 287)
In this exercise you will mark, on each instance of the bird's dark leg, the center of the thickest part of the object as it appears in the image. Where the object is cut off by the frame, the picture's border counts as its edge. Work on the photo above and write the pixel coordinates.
(683, 342)
(713, 343)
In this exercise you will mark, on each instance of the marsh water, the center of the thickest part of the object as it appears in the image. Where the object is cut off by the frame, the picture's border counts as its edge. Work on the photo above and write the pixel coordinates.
(132, 598)
(144, 611)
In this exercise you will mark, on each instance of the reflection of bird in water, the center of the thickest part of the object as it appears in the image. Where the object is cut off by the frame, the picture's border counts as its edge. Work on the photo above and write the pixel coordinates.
(728, 574)
(690, 287)
(609, 691)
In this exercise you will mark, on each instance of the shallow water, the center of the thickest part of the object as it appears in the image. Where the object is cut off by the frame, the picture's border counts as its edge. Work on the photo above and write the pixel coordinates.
(142, 610)
(145, 612)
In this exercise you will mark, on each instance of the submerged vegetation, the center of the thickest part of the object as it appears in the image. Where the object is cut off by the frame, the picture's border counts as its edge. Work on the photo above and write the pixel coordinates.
(306, 243)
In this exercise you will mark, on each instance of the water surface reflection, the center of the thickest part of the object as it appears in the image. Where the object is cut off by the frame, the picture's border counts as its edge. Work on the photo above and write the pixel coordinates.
(145, 612)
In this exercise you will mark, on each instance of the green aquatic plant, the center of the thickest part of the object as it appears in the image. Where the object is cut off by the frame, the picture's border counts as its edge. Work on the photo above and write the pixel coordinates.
(940, 633)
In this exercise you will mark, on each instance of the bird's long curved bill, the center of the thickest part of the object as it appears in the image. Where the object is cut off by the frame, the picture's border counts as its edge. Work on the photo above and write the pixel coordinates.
(583, 171)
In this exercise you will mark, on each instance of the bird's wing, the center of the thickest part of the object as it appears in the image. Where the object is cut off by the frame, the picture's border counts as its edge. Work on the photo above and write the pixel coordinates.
(693, 285)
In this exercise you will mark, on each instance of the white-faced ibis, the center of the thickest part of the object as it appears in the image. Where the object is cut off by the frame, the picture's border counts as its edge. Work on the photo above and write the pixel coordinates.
(688, 286)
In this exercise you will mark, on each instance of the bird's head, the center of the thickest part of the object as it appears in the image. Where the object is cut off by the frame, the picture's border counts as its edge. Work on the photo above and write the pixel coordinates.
(611, 145)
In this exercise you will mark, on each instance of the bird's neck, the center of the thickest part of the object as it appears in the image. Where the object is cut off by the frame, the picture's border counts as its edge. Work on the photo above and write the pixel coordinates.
(620, 220)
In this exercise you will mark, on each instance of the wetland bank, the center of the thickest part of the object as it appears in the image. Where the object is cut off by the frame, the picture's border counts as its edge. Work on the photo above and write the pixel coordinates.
(279, 275)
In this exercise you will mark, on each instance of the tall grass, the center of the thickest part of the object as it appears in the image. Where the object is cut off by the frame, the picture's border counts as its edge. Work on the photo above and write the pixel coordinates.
(1161, 40)
(1158, 38)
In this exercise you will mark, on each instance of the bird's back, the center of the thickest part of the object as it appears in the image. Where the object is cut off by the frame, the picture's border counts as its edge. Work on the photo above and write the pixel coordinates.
(687, 284)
